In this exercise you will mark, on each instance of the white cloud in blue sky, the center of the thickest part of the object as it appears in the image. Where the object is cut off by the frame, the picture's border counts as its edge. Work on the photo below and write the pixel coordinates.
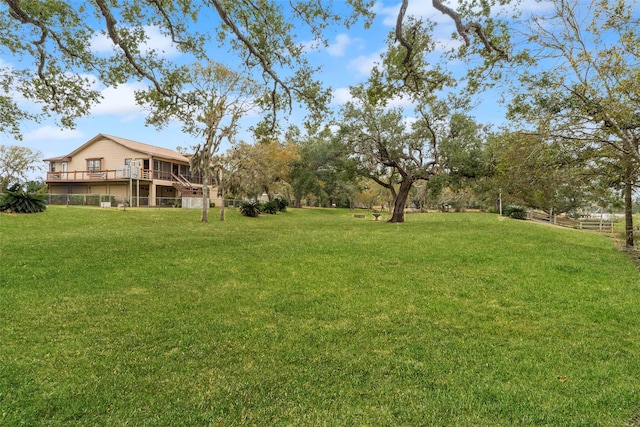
(48, 133)
(363, 64)
(120, 101)
(342, 42)
(156, 41)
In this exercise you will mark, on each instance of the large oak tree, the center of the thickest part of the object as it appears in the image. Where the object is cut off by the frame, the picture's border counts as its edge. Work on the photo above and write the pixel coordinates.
(589, 96)
(51, 46)
(214, 100)
(16, 163)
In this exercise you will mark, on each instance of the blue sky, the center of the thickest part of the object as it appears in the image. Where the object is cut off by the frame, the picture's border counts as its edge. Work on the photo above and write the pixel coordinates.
(346, 61)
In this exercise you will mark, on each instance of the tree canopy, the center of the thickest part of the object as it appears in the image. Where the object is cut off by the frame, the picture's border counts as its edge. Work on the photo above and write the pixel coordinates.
(57, 44)
(590, 97)
(16, 163)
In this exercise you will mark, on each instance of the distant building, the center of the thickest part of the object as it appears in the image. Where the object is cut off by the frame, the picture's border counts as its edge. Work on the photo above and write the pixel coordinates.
(127, 171)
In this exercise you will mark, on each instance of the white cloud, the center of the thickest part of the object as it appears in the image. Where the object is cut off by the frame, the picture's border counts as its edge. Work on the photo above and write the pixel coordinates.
(52, 133)
(340, 46)
(446, 44)
(398, 101)
(119, 101)
(310, 46)
(364, 64)
(409, 122)
(101, 43)
(156, 41)
(423, 10)
(341, 96)
(533, 6)
(337, 48)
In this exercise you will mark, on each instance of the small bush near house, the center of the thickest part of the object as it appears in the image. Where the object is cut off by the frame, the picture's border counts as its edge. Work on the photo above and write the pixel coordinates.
(515, 211)
(282, 204)
(17, 200)
(270, 207)
(251, 209)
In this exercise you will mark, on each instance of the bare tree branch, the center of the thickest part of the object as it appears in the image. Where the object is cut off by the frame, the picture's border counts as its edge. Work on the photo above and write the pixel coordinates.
(473, 27)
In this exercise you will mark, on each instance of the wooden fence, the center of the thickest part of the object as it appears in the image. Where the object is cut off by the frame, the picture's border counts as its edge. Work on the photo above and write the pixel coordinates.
(580, 224)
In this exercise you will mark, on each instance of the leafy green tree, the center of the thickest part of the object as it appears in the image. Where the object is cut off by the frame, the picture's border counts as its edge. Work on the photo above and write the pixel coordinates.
(263, 167)
(217, 99)
(415, 70)
(37, 186)
(225, 169)
(54, 41)
(542, 174)
(590, 95)
(466, 164)
(16, 163)
(385, 150)
(323, 171)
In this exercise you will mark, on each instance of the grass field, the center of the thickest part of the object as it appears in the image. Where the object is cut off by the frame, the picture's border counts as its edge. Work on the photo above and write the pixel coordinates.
(312, 317)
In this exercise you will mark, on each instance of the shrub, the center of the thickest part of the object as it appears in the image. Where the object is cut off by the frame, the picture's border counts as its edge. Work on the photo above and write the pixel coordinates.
(282, 204)
(250, 209)
(270, 207)
(515, 211)
(19, 201)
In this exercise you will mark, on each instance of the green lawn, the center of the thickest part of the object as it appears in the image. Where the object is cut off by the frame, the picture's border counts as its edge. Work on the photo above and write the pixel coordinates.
(312, 317)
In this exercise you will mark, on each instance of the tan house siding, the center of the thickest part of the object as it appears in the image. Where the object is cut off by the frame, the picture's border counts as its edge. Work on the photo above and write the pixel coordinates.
(112, 153)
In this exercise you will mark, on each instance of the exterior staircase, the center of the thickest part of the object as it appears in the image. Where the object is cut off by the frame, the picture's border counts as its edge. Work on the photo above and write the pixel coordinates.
(185, 187)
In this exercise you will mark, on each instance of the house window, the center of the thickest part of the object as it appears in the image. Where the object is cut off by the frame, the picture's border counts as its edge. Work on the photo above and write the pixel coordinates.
(127, 162)
(52, 167)
(93, 165)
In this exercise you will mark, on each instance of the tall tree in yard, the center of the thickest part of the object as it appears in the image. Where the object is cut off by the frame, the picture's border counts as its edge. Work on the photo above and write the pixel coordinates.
(263, 167)
(465, 163)
(16, 163)
(390, 153)
(215, 99)
(385, 150)
(322, 171)
(225, 170)
(542, 174)
(591, 95)
(398, 147)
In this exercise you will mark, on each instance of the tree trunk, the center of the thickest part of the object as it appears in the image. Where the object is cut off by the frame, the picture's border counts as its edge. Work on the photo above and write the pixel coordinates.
(222, 218)
(628, 214)
(205, 197)
(222, 192)
(400, 201)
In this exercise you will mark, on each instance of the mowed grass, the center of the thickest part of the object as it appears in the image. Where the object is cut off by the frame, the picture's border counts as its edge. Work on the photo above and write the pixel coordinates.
(312, 317)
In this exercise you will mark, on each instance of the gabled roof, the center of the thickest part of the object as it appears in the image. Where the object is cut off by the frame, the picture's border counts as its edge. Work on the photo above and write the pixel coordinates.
(56, 159)
(150, 150)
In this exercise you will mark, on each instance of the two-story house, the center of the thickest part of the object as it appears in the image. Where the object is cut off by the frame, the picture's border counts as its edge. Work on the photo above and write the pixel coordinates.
(130, 171)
